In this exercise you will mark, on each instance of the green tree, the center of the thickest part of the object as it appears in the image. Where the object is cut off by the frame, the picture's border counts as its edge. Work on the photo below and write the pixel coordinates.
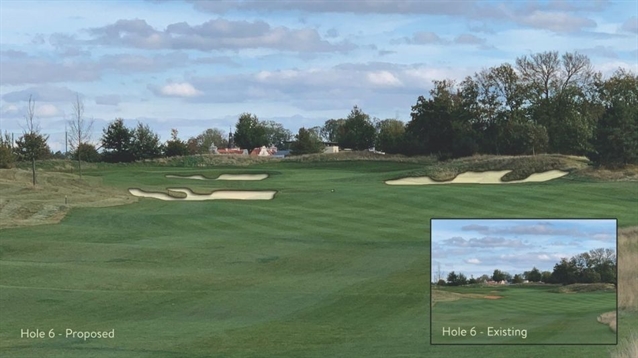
(546, 277)
(175, 146)
(559, 90)
(358, 131)
(117, 142)
(32, 145)
(432, 128)
(534, 275)
(87, 152)
(517, 279)
(332, 129)
(498, 275)
(441, 282)
(461, 280)
(452, 279)
(306, 142)
(201, 143)
(276, 134)
(7, 158)
(615, 141)
(249, 132)
(146, 143)
(390, 136)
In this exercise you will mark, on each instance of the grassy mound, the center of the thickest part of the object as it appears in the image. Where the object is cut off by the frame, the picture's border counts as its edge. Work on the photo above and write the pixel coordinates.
(521, 166)
(585, 287)
(21, 204)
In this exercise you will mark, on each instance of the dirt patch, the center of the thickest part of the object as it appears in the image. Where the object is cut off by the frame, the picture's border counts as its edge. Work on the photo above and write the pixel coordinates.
(189, 195)
(493, 297)
(488, 177)
(608, 318)
(55, 194)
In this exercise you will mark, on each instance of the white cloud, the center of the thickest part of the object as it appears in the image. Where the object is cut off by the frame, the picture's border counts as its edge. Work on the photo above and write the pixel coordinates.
(383, 78)
(473, 261)
(46, 110)
(183, 89)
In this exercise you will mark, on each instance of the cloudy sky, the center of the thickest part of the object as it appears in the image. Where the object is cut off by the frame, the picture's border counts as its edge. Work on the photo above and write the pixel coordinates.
(477, 247)
(193, 65)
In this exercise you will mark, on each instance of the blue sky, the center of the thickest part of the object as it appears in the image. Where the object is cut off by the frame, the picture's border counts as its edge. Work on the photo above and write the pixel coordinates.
(193, 65)
(477, 247)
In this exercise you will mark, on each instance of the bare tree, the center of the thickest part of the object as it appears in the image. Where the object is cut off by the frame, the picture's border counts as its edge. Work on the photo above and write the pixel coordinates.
(32, 145)
(80, 130)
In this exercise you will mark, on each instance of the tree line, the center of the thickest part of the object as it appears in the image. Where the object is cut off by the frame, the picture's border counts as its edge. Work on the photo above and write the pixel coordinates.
(595, 266)
(543, 103)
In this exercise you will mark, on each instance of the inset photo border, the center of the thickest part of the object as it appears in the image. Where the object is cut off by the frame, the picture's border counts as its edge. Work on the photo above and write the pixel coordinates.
(523, 281)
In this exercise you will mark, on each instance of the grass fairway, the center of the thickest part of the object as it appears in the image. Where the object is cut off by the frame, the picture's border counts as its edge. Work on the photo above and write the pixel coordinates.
(312, 273)
(546, 317)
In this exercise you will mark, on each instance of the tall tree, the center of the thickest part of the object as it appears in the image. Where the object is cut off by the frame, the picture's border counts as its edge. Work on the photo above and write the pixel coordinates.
(80, 129)
(249, 132)
(358, 131)
(146, 143)
(615, 142)
(202, 143)
(559, 91)
(32, 145)
(6, 151)
(331, 129)
(175, 146)
(390, 136)
(276, 134)
(117, 140)
(306, 142)
(432, 120)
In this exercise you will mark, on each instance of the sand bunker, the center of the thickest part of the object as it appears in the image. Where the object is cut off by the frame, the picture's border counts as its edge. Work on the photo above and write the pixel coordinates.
(217, 195)
(223, 177)
(196, 177)
(493, 297)
(242, 177)
(490, 177)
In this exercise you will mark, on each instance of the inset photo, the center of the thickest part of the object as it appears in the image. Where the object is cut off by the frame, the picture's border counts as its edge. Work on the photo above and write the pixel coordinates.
(523, 281)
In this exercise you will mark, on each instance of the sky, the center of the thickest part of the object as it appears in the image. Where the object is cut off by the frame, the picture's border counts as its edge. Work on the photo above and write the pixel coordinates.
(477, 247)
(193, 65)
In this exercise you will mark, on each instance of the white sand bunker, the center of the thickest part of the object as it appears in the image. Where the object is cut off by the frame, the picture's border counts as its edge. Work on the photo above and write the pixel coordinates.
(491, 177)
(242, 177)
(223, 177)
(216, 195)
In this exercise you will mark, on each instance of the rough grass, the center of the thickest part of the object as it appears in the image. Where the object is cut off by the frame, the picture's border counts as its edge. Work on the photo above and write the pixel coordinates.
(585, 287)
(627, 287)
(628, 347)
(21, 204)
(628, 269)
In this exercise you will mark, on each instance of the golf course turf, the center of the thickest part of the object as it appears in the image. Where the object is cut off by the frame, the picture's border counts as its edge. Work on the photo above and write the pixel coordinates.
(336, 265)
(545, 316)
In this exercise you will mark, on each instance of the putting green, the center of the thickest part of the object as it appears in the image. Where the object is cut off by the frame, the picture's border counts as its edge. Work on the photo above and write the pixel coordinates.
(489, 177)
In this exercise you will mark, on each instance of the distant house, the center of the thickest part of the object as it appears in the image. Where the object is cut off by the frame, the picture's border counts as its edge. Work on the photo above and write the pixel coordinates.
(264, 151)
(331, 149)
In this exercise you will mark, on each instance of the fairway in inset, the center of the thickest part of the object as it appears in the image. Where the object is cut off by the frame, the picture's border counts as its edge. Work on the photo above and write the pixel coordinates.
(489, 177)
(217, 195)
(223, 177)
